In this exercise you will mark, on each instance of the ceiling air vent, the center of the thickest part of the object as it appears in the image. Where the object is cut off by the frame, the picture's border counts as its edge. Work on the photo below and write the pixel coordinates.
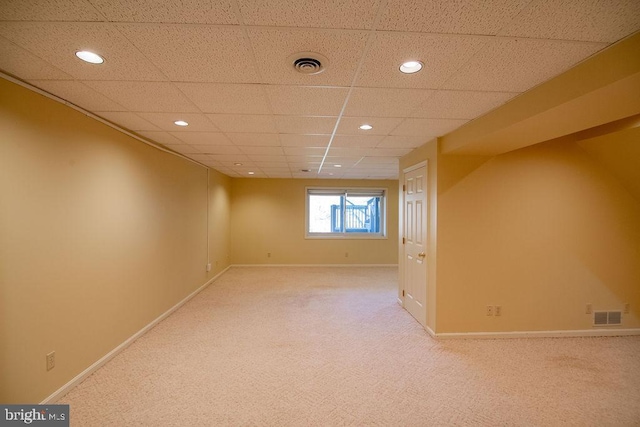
(308, 62)
(607, 318)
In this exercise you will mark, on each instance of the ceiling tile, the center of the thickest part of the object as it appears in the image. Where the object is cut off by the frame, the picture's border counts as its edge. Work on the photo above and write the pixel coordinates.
(281, 166)
(442, 55)
(305, 100)
(190, 53)
(402, 142)
(277, 174)
(381, 126)
(349, 151)
(305, 175)
(427, 128)
(226, 98)
(516, 65)
(57, 42)
(200, 157)
(78, 94)
(20, 62)
(450, 16)
(344, 162)
(50, 10)
(370, 174)
(226, 171)
(273, 48)
(261, 139)
(245, 167)
(230, 159)
(379, 162)
(366, 102)
(253, 174)
(388, 152)
(305, 151)
(356, 140)
(164, 138)
(231, 162)
(145, 96)
(183, 11)
(165, 121)
(288, 140)
(304, 162)
(274, 169)
(213, 164)
(305, 124)
(262, 151)
(353, 14)
(202, 138)
(588, 20)
(451, 104)
(218, 149)
(183, 149)
(244, 123)
(128, 120)
(222, 66)
(265, 158)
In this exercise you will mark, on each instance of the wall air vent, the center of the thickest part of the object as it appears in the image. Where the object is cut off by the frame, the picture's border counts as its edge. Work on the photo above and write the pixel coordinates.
(607, 318)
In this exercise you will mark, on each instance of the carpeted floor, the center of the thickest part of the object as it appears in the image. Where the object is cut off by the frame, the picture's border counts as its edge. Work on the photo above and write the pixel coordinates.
(331, 347)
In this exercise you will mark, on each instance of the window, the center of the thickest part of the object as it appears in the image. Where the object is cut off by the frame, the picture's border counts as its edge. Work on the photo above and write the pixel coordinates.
(346, 213)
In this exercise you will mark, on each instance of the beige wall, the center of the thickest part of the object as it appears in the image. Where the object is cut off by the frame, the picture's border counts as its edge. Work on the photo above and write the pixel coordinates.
(538, 205)
(268, 216)
(99, 235)
(541, 231)
(219, 221)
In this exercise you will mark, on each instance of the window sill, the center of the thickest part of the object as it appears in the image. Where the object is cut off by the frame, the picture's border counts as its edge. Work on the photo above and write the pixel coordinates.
(351, 236)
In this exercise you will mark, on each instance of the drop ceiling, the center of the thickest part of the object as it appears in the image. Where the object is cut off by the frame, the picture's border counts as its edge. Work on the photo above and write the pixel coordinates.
(221, 65)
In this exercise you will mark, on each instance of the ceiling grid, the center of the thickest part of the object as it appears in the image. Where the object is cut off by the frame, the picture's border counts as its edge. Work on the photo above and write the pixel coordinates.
(224, 66)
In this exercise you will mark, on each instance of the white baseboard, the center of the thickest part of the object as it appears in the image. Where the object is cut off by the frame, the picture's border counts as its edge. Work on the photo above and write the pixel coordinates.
(55, 396)
(430, 332)
(537, 334)
(314, 265)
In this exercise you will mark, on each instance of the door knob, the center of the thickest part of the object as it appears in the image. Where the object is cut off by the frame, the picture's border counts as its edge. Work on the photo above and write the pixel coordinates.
(422, 255)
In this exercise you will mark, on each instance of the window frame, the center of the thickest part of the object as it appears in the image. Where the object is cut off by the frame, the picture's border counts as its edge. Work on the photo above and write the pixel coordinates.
(346, 192)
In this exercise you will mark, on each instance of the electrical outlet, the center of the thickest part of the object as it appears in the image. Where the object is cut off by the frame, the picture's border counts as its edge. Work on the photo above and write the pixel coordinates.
(209, 267)
(489, 310)
(589, 309)
(268, 254)
(346, 254)
(627, 308)
(498, 310)
(51, 360)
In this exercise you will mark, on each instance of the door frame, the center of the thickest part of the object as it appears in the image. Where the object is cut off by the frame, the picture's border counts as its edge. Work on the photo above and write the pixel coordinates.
(401, 218)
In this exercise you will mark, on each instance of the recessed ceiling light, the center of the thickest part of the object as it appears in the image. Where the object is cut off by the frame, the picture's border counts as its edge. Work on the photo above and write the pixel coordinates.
(92, 58)
(366, 127)
(181, 123)
(251, 173)
(337, 166)
(411, 67)
(237, 164)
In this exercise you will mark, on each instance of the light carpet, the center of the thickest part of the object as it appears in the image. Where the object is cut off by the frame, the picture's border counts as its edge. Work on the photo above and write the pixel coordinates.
(306, 346)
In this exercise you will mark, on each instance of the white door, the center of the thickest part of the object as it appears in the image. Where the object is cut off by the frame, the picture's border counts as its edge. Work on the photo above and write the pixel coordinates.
(415, 243)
